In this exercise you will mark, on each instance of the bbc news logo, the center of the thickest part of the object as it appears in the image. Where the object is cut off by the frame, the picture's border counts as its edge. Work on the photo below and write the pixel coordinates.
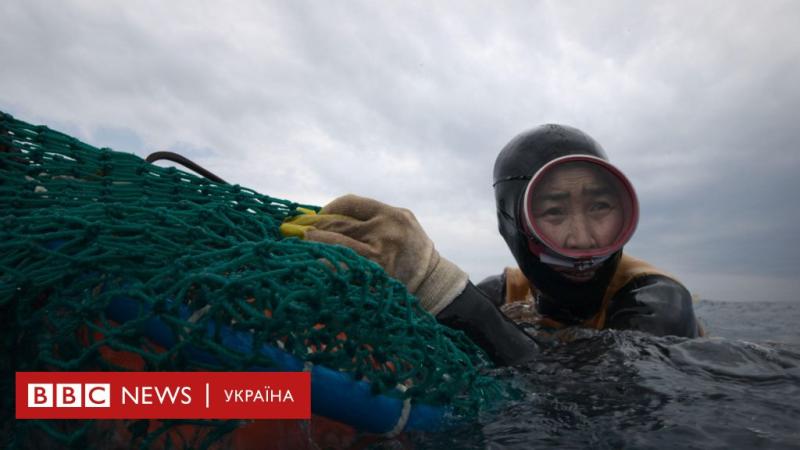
(163, 395)
(69, 395)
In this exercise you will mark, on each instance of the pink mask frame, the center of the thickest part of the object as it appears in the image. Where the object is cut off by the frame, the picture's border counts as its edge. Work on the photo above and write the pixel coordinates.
(579, 259)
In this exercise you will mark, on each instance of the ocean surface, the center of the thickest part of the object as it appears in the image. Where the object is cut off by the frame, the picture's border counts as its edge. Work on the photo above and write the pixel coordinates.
(739, 388)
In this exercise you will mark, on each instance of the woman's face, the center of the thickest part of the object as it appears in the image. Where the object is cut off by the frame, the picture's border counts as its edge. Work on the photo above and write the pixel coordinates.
(578, 206)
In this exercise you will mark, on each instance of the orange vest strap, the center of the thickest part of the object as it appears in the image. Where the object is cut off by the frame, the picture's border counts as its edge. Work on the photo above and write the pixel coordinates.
(519, 289)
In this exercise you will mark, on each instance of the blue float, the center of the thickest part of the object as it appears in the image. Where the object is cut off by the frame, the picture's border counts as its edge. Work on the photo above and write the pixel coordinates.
(335, 395)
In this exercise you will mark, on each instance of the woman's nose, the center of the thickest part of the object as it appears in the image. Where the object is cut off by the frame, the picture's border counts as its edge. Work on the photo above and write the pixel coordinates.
(579, 235)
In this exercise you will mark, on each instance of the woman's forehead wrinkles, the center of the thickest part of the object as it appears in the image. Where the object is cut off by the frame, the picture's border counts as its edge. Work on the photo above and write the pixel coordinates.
(599, 190)
(587, 191)
(555, 190)
(554, 196)
(570, 178)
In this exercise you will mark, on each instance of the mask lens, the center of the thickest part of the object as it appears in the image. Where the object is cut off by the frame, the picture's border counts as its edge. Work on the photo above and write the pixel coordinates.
(581, 207)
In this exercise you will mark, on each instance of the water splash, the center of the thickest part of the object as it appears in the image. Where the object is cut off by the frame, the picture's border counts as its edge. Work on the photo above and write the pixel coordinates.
(617, 389)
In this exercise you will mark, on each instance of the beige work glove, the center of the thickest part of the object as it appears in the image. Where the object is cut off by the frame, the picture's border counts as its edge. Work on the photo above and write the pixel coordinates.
(389, 236)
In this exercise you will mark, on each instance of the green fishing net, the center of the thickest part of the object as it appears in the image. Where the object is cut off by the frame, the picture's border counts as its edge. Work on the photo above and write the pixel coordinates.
(81, 226)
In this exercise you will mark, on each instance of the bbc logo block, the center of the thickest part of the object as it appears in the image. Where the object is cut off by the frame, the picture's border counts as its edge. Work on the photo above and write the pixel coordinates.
(69, 395)
(162, 395)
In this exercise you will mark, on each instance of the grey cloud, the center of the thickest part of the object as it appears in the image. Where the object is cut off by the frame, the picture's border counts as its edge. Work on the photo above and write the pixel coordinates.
(410, 103)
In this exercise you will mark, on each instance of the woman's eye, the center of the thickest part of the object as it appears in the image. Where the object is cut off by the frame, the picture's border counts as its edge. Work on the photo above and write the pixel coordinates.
(554, 211)
(600, 206)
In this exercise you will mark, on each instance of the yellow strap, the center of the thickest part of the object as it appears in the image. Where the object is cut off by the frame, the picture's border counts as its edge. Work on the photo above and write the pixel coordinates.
(297, 226)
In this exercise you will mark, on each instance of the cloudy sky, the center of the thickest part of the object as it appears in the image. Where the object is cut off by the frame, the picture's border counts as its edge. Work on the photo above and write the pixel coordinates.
(409, 103)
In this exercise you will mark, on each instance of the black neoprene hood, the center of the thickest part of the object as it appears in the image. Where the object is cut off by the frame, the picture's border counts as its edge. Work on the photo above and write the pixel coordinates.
(517, 162)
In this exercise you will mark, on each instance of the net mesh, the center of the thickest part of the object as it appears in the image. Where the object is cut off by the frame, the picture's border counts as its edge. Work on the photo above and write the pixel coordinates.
(82, 226)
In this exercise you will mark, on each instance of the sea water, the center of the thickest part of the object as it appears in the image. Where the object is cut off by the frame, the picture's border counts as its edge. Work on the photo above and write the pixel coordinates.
(739, 388)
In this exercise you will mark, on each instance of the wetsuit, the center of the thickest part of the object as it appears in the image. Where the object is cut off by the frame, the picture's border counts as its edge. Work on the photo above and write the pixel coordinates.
(621, 292)
(639, 297)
